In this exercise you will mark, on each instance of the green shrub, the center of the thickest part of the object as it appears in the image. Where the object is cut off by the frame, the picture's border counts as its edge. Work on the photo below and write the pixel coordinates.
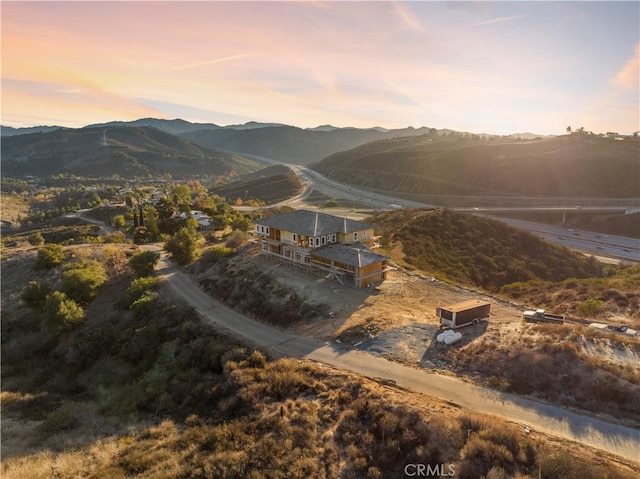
(143, 264)
(64, 418)
(119, 221)
(80, 281)
(591, 307)
(115, 237)
(213, 255)
(144, 306)
(34, 294)
(139, 287)
(61, 312)
(36, 239)
(49, 256)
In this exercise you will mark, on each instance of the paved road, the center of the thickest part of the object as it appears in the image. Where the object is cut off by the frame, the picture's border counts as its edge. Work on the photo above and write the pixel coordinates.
(620, 440)
(627, 249)
(598, 243)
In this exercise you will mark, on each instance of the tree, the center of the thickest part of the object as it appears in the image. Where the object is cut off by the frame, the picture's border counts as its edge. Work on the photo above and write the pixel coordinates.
(119, 221)
(183, 246)
(34, 295)
(241, 223)
(61, 312)
(568, 129)
(80, 281)
(49, 255)
(181, 194)
(166, 208)
(143, 264)
(331, 203)
(140, 235)
(151, 221)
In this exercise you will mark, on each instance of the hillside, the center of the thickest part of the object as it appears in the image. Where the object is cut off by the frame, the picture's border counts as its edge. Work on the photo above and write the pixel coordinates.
(567, 166)
(152, 391)
(476, 251)
(269, 185)
(290, 144)
(125, 151)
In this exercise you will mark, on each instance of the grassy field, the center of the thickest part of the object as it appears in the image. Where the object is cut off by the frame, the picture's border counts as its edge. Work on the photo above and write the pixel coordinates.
(13, 208)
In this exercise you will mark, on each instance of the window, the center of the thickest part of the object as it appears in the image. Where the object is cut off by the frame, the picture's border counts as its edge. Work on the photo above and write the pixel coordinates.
(355, 236)
(265, 247)
(295, 238)
(333, 238)
(312, 242)
(267, 230)
(324, 240)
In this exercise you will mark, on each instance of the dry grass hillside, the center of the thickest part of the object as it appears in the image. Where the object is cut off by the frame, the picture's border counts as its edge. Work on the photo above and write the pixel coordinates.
(126, 151)
(268, 185)
(140, 387)
(397, 321)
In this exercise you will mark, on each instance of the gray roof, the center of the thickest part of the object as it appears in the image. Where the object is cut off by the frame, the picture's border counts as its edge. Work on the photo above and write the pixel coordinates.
(355, 256)
(313, 223)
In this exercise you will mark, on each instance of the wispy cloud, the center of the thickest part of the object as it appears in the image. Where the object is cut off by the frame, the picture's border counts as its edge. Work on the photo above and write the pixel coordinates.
(190, 66)
(498, 20)
(406, 15)
(629, 76)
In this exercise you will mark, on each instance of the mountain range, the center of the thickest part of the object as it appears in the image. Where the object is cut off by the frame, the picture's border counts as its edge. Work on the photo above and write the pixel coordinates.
(422, 161)
(277, 141)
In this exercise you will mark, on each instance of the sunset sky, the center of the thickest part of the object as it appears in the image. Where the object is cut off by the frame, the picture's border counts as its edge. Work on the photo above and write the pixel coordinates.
(483, 67)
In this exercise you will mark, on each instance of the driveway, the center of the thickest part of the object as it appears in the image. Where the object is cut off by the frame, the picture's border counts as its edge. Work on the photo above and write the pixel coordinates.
(617, 439)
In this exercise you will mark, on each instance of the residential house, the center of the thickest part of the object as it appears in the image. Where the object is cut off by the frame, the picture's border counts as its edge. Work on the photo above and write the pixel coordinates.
(204, 220)
(339, 247)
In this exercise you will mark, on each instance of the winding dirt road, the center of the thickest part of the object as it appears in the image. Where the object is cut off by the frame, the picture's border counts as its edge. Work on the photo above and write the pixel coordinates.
(617, 439)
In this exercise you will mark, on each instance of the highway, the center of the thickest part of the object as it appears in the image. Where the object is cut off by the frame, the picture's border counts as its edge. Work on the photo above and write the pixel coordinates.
(599, 245)
(621, 440)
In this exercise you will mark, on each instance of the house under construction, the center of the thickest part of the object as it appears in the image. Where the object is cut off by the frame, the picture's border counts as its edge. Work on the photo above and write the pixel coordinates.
(339, 247)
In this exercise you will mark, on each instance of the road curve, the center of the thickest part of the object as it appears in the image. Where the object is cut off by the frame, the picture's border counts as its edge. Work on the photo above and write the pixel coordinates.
(620, 440)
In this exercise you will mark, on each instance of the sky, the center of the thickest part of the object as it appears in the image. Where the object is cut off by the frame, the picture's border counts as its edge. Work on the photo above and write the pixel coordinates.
(482, 67)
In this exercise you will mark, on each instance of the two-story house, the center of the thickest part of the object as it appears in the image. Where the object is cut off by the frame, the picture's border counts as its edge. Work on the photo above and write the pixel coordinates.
(340, 247)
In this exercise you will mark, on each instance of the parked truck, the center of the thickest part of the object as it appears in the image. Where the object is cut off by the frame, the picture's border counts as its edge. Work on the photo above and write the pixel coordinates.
(542, 315)
(462, 314)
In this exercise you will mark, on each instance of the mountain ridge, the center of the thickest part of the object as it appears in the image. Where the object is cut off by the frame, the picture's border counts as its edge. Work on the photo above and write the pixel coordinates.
(120, 150)
(574, 165)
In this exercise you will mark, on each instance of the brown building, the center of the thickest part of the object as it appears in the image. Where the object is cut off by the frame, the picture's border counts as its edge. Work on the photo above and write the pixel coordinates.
(339, 247)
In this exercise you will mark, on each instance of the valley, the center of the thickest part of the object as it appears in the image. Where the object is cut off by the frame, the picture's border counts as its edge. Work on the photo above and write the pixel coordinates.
(219, 323)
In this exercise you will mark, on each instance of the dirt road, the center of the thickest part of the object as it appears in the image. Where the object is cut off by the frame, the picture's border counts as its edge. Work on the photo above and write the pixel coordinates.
(620, 440)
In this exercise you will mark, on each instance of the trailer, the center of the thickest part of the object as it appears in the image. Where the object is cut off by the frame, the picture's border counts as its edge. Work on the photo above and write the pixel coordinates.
(464, 313)
(542, 315)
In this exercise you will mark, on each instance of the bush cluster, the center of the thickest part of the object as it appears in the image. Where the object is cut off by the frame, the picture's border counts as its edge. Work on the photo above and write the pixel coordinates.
(479, 251)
